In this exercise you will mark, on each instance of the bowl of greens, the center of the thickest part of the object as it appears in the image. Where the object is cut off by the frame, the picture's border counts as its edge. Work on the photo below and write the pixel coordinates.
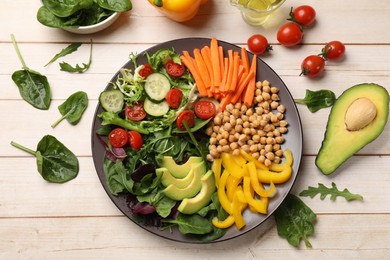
(81, 16)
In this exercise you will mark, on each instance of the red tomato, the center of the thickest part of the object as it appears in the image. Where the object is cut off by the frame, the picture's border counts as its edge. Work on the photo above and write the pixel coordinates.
(312, 66)
(205, 109)
(146, 71)
(304, 15)
(188, 116)
(135, 112)
(135, 140)
(258, 44)
(118, 137)
(174, 69)
(289, 34)
(174, 97)
(334, 50)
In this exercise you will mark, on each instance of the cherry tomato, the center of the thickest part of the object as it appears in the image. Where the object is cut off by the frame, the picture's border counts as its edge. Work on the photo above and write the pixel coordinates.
(118, 137)
(135, 112)
(174, 97)
(146, 71)
(185, 115)
(205, 109)
(304, 15)
(258, 44)
(135, 140)
(334, 50)
(174, 69)
(312, 66)
(289, 34)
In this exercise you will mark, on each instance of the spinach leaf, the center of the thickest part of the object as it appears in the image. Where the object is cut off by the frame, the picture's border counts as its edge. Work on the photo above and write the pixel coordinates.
(191, 224)
(45, 17)
(295, 221)
(115, 5)
(113, 179)
(33, 86)
(55, 162)
(333, 192)
(79, 69)
(66, 8)
(157, 199)
(68, 50)
(316, 100)
(73, 108)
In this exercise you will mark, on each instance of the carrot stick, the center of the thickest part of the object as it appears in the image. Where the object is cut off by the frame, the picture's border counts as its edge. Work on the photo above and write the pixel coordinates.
(215, 61)
(195, 73)
(247, 77)
(225, 74)
(244, 59)
(230, 72)
(250, 90)
(205, 51)
(236, 64)
(202, 67)
(221, 61)
(224, 102)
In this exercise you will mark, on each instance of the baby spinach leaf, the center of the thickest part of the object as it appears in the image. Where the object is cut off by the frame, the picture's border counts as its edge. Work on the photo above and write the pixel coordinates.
(192, 224)
(73, 108)
(316, 100)
(55, 162)
(77, 69)
(33, 86)
(66, 8)
(45, 17)
(333, 192)
(115, 5)
(295, 221)
(68, 50)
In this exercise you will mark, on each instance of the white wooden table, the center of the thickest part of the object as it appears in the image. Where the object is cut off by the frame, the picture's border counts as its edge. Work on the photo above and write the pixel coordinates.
(77, 220)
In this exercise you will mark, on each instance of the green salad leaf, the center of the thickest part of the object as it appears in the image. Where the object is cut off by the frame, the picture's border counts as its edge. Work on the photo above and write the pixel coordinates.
(68, 50)
(334, 192)
(73, 108)
(78, 68)
(316, 100)
(295, 221)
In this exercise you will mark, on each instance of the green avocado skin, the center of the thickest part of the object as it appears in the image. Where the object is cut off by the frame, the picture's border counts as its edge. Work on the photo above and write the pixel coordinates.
(339, 144)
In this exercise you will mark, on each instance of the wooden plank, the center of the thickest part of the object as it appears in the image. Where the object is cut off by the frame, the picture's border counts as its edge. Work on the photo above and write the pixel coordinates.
(341, 237)
(26, 194)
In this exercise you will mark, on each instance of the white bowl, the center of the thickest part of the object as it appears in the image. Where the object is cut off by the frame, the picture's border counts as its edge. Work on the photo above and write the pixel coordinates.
(95, 27)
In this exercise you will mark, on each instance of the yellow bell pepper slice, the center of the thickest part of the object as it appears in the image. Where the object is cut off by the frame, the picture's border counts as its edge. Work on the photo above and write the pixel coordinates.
(229, 164)
(221, 192)
(238, 207)
(257, 186)
(250, 158)
(278, 167)
(231, 186)
(274, 177)
(228, 222)
(261, 205)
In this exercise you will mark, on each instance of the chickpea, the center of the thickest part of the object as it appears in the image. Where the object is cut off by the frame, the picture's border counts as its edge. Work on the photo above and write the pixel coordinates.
(213, 140)
(225, 119)
(249, 112)
(255, 138)
(238, 128)
(245, 148)
(244, 108)
(274, 90)
(210, 158)
(223, 142)
(277, 159)
(270, 156)
(283, 130)
(270, 140)
(219, 149)
(225, 135)
(275, 97)
(237, 105)
(276, 132)
(236, 112)
(261, 158)
(214, 153)
(229, 107)
(266, 89)
(239, 121)
(280, 116)
(246, 125)
(233, 145)
(227, 126)
(233, 121)
(283, 123)
(225, 148)
(217, 119)
(266, 96)
(274, 119)
(256, 155)
(279, 139)
(258, 92)
(267, 162)
(247, 131)
(268, 148)
(265, 83)
(263, 140)
(236, 152)
(281, 108)
(253, 148)
(279, 153)
(258, 84)
(274, 105)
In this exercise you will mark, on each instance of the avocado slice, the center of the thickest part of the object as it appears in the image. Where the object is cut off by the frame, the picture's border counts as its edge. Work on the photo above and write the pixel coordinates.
(167, 178)
(358, 117)
(179, 170)
(176, 193)
(193, 205)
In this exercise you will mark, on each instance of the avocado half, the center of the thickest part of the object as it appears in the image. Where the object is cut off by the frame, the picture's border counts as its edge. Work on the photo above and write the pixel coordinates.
(341, 140)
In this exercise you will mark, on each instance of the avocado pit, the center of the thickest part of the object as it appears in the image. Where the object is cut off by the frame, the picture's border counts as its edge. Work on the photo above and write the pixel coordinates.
(359, 114)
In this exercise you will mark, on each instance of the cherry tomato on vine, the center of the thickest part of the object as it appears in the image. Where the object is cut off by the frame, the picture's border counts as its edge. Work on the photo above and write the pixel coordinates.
(136, 111)
(135, 140)
(289, 34)
(174, 69)
(118, 137)
(174, 98)
(333, 50)
(312, 66)
(146, 71)
(205, 109)
(258, 44)
(304, 15)
(188, 116)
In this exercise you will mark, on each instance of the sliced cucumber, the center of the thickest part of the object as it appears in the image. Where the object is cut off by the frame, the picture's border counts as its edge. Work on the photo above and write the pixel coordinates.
(112, 100)
(157, 86)
(155, 109)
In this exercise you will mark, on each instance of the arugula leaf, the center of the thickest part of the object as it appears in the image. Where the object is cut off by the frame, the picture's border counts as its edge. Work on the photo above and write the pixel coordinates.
(315, 100)
(191, 224)
(333, 192)
(68, 50)
(77, 69)
(295, 221)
